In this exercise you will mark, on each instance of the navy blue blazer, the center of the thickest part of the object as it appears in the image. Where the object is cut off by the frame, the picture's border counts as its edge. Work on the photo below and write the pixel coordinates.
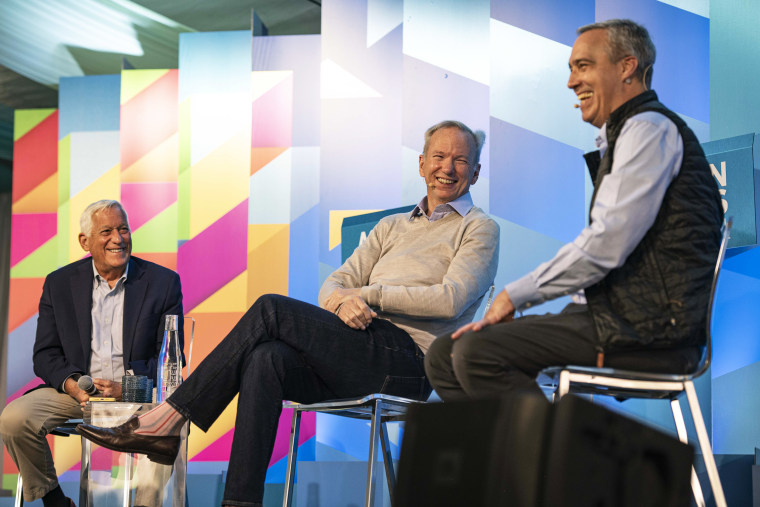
(62, 346)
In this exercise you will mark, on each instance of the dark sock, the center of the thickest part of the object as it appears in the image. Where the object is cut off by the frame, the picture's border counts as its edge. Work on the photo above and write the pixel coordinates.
(56, 498)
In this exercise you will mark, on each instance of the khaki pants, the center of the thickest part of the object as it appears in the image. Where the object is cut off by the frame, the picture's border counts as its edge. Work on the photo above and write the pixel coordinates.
(26, 421)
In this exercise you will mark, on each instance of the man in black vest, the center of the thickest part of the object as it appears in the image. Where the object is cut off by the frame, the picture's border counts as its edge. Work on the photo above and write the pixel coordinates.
(644, 261)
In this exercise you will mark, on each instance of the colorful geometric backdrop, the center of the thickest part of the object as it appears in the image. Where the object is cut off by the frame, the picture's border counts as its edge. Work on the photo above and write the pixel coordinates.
(238, 167)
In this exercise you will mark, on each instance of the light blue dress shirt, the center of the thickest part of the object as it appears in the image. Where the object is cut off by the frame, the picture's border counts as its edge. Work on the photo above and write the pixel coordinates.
(107, 357)
(462, 205)
(648, 155)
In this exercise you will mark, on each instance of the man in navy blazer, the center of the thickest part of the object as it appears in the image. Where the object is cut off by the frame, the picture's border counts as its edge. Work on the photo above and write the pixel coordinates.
(101, 316)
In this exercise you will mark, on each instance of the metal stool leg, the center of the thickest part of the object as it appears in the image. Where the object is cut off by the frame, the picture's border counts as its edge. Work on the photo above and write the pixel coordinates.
(675, 407)
(179, 491)
(564, 385)
(85, 496)
(290, 473)
(19, 502)
(704, 444)
(374, 430)
(390, 473)
(127, 491)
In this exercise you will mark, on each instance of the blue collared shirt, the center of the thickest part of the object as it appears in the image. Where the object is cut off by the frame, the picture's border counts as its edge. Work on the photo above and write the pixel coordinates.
(648, 155)
(107, 357)
(462, 205)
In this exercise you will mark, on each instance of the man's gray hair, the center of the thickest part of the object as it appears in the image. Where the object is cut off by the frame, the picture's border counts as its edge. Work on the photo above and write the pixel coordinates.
(478, 137)
(627, 38)
(85, 221)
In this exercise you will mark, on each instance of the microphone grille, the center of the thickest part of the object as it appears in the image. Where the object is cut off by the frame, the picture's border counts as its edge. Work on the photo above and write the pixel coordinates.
(85, 383)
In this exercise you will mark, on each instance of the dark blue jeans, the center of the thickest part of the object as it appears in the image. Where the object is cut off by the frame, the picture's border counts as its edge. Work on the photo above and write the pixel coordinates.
(286, 349)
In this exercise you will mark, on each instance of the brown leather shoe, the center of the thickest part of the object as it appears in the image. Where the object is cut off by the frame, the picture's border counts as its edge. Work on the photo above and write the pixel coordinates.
(161, 449)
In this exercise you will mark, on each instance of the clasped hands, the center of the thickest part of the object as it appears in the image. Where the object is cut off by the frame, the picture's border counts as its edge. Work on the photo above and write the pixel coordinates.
(502, 310)
(350, 307)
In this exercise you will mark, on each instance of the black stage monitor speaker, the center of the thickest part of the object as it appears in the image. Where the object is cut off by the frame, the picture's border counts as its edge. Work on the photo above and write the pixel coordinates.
(473, 453)
(521, 451)
(599, 457)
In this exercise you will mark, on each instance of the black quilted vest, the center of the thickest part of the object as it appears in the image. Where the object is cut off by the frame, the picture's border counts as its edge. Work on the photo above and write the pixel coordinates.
(659, 297)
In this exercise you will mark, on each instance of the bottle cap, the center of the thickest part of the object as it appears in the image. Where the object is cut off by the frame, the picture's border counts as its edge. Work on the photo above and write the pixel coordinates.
(171, 323)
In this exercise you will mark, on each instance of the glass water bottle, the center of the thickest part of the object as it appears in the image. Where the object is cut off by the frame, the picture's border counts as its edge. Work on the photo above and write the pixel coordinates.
(169, 374)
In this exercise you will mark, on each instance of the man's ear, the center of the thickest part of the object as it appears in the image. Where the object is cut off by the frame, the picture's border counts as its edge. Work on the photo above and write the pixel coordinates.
(475, 175)
(628, 67)
(84, 242)
(422, 161)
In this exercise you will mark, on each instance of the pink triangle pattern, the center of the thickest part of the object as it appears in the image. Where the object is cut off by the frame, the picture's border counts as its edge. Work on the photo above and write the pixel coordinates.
(29, 231)
(144, 201)
(220, 449)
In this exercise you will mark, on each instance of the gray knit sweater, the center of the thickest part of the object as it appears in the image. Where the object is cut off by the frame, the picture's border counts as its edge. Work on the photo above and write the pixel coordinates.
(428, 278)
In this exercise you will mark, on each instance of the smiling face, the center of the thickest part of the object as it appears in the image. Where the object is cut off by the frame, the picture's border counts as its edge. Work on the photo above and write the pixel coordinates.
(448, 166)
(598, 82)
(109, 242)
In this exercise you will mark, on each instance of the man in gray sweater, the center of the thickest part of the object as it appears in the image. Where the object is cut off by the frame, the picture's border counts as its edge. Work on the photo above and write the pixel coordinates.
(417, 275)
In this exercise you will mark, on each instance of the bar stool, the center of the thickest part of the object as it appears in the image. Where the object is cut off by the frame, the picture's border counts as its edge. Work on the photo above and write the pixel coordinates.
(379, 409)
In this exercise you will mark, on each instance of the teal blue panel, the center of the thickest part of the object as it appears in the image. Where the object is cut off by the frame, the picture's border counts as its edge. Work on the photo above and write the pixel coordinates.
(731, 162)
(734, 67)
(737, 410)
(354, 227)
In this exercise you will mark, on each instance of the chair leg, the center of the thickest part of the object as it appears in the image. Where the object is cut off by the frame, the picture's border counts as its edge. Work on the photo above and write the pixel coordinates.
(390, 473)
(564, 385)
(374, 429)
(704, 444)
(696, 488)
(179, 489)
(19, 502)
(126, 495)
(290, 473)
(85, 496)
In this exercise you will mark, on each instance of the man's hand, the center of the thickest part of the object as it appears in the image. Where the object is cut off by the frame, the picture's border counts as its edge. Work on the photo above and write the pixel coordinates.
(72, 389)
(350, 307)
(108, 388)
(502, 310)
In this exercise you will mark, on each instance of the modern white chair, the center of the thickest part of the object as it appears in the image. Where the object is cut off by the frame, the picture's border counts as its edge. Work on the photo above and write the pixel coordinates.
(632, 384)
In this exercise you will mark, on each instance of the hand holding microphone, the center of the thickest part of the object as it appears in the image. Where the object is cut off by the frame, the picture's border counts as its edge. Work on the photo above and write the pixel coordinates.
(86, 384)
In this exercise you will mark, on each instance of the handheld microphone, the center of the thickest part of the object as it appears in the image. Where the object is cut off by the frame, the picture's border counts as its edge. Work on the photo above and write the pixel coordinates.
(85, 384)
